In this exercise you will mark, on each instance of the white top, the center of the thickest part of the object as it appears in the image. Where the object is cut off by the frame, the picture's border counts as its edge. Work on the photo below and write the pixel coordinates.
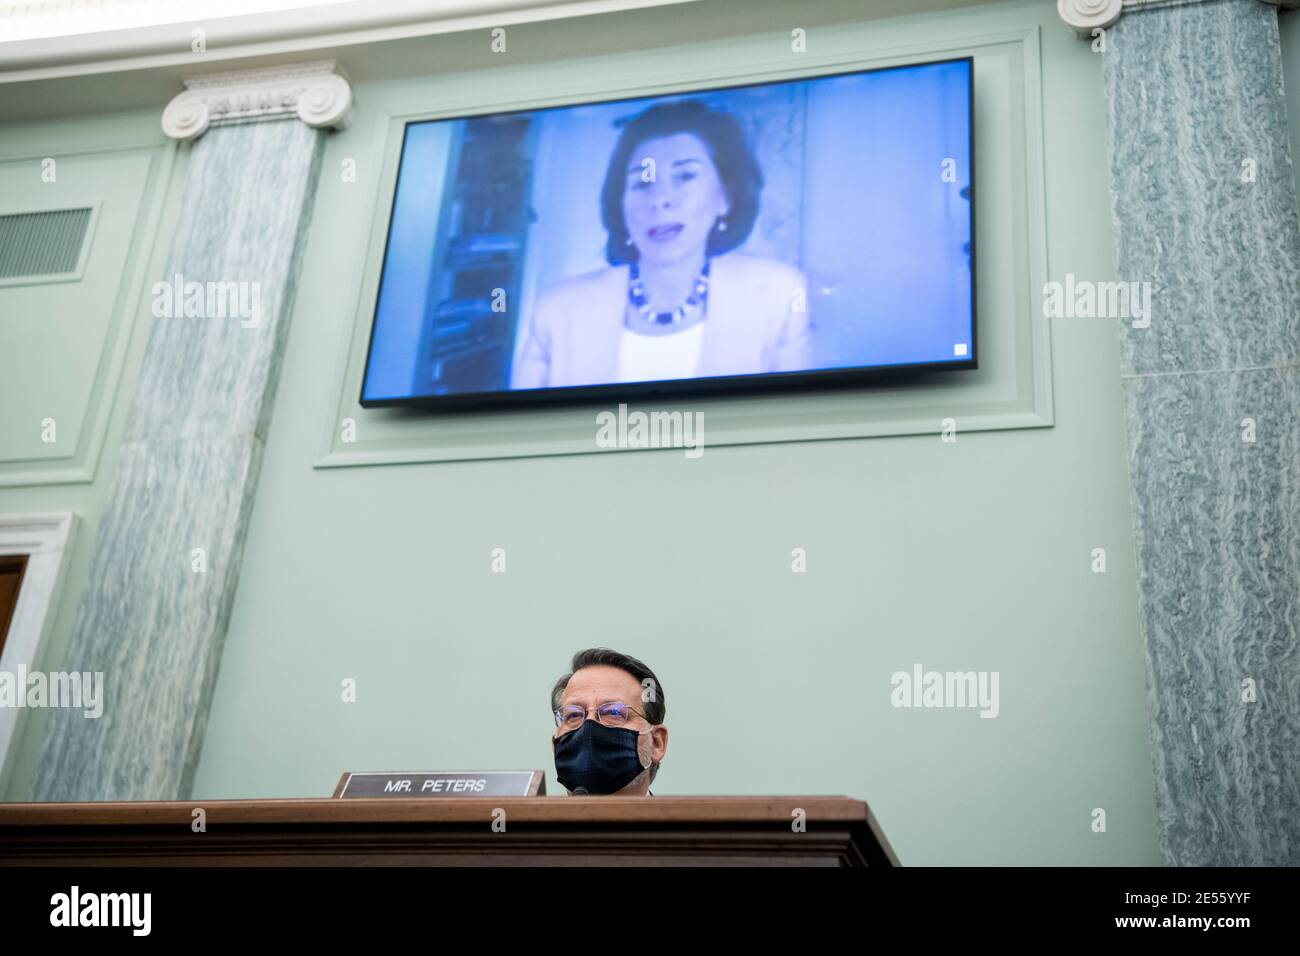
(655, 358)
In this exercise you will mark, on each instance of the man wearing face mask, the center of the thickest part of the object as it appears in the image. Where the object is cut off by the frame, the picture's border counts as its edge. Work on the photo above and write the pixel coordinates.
(609, 733)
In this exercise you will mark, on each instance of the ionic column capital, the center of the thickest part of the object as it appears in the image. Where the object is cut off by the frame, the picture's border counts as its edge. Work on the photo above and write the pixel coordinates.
(318, 93)
(1088, 15)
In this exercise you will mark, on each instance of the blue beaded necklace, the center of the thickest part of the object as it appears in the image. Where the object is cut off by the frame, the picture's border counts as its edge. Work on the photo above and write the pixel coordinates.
(643, 316)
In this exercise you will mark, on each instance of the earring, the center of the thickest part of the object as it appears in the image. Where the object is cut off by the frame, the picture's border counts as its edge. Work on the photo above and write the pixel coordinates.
(630, 242)
(722, 225)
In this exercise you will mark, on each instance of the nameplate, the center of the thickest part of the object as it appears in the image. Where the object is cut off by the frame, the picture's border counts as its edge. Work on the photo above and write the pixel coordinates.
(443, 783)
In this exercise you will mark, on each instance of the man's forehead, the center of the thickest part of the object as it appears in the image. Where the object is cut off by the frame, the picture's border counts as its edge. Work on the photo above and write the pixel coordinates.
(603, 681)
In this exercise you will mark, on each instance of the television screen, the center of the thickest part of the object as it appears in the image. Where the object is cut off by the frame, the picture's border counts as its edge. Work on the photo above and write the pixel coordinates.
(779, 234)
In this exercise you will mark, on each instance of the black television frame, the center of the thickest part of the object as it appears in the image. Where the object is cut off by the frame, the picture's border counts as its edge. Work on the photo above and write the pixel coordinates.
(756, 383)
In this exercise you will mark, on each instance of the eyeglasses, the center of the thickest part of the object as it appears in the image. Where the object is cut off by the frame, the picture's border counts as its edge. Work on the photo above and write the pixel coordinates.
(613, 713)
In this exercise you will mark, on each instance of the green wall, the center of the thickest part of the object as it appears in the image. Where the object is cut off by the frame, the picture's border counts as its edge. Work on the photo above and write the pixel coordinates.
(966, 556)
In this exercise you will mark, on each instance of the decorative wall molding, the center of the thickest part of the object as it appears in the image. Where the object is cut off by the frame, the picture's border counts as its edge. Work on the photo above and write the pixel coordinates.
(124, 253)
(1088, 15)
(318, 93)
(46, 540)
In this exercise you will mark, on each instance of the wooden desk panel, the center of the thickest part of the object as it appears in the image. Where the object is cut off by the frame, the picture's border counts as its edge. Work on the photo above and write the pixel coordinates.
(441, 831)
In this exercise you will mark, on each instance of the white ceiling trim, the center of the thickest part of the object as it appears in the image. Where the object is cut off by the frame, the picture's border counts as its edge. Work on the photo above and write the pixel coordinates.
(41, 19)
(284, 31)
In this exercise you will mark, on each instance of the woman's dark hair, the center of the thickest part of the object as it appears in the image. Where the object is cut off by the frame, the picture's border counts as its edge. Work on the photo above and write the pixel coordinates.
(742, 179)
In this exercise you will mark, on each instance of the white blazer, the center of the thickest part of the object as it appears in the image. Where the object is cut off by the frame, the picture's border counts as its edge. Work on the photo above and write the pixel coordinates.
(757, 322)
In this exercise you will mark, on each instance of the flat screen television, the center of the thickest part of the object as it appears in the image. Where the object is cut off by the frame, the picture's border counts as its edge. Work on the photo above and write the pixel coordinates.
(777, 235)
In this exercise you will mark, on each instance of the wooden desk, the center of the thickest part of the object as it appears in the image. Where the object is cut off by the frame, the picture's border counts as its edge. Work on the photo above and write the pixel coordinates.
(440, 831)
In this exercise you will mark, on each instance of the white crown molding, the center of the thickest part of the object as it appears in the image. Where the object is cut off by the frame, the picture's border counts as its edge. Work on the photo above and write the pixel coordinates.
(45, 19)
(313, 32)
(1085, 16)
(317, 93)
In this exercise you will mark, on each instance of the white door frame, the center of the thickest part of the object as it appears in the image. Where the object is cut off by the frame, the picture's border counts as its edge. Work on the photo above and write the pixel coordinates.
(46, 540)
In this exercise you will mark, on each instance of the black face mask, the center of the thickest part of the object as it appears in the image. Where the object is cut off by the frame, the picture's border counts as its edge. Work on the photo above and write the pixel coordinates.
(597, 758)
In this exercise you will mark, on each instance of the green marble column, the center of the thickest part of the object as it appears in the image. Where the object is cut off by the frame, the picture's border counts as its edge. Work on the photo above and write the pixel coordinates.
(1204, 207)
(167, 556)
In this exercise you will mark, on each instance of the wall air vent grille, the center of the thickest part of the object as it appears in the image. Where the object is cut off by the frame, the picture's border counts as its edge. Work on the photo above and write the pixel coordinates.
(45, 245)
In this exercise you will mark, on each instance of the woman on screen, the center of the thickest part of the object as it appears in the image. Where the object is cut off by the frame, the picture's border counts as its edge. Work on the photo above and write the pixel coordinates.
(681, 194)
